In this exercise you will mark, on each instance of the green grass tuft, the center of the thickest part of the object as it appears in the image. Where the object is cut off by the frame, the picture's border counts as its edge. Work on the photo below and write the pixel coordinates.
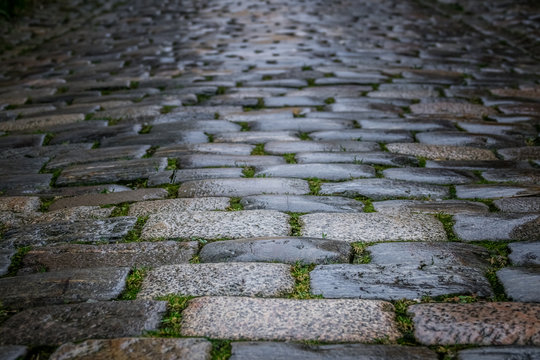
(134, 235)
(329, 100)
(360, 253)
(302, 287)
(258, 150)
(133, 283)
(120, 210)
(314, 186)
(235, 204)
(172, 164)
(248, 171)
(448, 223)
(244, 126)
(17, 260)
(404, 322)
(221, 349)
(172, 320)
(498, 251)
(294, 222)
(290, 158)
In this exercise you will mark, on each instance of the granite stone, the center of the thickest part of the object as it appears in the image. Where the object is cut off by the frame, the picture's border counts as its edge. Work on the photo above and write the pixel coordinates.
(525, 253)
(285, 350)
(340, 320)
(380, 189)
(135, 254)
(40, 234)
(430, 175)
(519, 176)
(424, 254)
(24, 184)
(396, 281)
(220, 279)
(293, 147)
(73, 214)
(243, 187)
(279, 249)
(109, 198)
(448, 324)
(363, 135)
(497, 227)
(12, 352)
(172, 151)
(104, 172)
(177, 205)
(96, 155)
(521, 283)
(302, 203)
(22, 166)
(518, 205)
(57, 324)
(372, 227)
(20, 204)
(376, 158)
(501, 353)
(441, 152)
(5, 259)
(321, 171)
(431, 207)
(136, 349)
(255, 137)
(495, 191)
(64, 286)
(207, 160)
(520, 153)
(216, 224)
(183, 175)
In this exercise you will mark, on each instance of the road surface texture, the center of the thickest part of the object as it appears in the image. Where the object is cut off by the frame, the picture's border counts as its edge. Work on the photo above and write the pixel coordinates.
(301, 179)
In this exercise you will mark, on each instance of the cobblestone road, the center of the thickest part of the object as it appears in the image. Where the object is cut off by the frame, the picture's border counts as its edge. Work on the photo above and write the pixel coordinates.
(294, 179)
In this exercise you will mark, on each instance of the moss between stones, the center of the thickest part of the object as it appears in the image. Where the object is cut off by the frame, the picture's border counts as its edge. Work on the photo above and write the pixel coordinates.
(404, 322)
(448, 223)
(235, 205)
(314, 186)
(290, 158)
(360, 253)
(173, 318)
(294, 222)
(258, 150)
(17, 261)
(221, 349)
(134, 235)
(498, 251)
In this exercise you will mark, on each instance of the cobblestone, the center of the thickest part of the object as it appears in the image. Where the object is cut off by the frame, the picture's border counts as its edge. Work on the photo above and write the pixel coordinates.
(286, 134)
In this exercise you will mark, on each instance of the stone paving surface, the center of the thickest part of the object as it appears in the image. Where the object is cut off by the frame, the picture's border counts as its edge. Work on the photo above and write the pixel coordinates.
(349, 172)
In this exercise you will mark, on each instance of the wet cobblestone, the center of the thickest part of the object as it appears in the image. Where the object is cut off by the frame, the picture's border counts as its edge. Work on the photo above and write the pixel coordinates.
(261, 149)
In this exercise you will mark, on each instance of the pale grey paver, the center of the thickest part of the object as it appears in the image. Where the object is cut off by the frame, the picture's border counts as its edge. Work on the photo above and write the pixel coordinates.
(25, 184)
(136, 349)
(20, 204)
(497, 227)
(213, 148)
(424, 254)
(520, 176)
(134, 254)
(476, 164)
(302, 203)
(521, 283)
(394, 282)
(184, 175)
(57, 324)
(216, 225)
(225, 279)
(283, 350)
(243, 187)
(458, 109)
(122, 170)
(176, 205)
(255, 137)
(301, 124)
(281, 249)
(521, 153)
(495, 191)
(431, 207)
(430, 175)
(525, 253)
(446, 324)
(110, 198)
(112, 229)
(518, 205)
(321, 171)
(288, 319)
(73, 214)
(206, 160)
(12, 352)
(441, 152)
(381, 189)
(500, 353)
(64, 286)
(95, 155)
(378, 158)
(22, 166)
(292, 147)
(363, 135)
(372, 227)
